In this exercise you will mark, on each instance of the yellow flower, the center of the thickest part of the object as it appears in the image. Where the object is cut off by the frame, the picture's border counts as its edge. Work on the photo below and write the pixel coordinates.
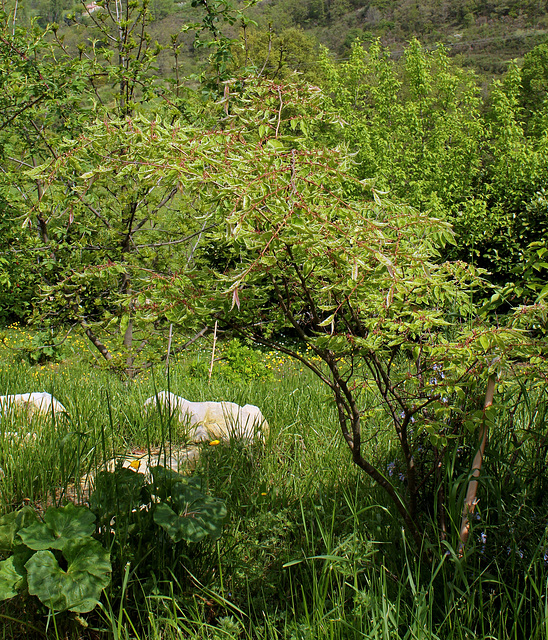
(263, 493)
(214, 442)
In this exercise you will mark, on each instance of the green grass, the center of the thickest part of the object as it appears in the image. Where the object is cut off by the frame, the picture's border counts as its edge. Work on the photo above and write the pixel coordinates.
(310, 549)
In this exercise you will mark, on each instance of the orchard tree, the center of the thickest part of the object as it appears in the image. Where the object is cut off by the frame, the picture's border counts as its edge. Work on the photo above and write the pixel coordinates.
(533, 89)
(514, 186)
(420, 128)
(278, 55)
(52, 230)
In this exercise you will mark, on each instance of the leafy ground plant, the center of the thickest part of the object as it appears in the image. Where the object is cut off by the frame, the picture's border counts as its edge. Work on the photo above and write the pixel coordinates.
(152, 522)
(54, 558)
(176, 503)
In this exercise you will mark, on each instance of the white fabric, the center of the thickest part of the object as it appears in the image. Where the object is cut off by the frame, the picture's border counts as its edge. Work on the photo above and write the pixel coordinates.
(215, 420)
(41, 403)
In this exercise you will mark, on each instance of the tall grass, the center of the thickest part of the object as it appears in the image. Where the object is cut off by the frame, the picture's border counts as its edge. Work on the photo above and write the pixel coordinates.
(310, 548)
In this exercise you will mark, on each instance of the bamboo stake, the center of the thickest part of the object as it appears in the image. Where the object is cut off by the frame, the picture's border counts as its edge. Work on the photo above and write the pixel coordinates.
(212, 353)
(470, 501)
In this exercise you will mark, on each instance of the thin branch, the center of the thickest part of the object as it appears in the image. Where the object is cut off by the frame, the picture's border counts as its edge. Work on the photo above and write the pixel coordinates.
(40, 132)
(21, 163)
(181, 240)
(289, 352)
(94, 211)
(95, 341)
(269, 50)
(163, 202)
(22, 110)
(174, 351)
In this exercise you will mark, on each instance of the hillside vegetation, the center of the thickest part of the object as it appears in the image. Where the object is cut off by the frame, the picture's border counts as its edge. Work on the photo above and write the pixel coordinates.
(485, 36)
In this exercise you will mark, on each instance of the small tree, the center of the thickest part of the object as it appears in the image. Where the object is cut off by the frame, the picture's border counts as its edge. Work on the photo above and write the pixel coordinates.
(387, 326)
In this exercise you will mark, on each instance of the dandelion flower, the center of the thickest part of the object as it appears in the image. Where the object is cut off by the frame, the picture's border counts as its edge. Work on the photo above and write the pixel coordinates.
(214, 443)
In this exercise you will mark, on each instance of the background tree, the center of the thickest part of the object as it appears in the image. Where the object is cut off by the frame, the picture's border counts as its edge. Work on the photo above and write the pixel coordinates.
(515, 167)
(46, 107)
(278, 55)
(416, 127)
(423, 132)
(43, 99)
(534, 87)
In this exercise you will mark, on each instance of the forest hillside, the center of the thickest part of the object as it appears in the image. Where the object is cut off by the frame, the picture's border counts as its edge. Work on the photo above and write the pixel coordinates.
(483, 35)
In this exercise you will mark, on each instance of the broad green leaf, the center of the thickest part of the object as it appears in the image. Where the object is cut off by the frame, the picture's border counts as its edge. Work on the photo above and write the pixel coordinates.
(484, 341)
(12, 575)
(275, 144)
(164, 479)
(61, 524)
(543, 293)
(193, 516)
(79, 587)
(117, 492)
(39, 536)
(179, 527)
(11, 523)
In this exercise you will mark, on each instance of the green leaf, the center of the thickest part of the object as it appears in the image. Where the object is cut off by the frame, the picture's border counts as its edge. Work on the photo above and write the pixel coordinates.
(117, 492)
(164, 479)
(192, 515)
(12, 575)
(484, 341)
(79, 587)
(274, 144)
(328, 320)
(11, 523)
(39, 536)
(179, 527)
(61, 524)
(543, 293)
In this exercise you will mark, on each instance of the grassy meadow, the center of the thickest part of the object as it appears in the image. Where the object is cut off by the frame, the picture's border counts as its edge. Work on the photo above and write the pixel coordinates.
(310, 547)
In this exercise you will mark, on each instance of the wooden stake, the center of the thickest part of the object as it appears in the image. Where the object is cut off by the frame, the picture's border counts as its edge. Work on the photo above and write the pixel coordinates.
(470, 501)
(169, 346)
(212, 353)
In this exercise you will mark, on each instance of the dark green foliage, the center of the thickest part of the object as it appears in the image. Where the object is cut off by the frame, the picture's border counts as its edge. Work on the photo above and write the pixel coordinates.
(190, 515)
(132, 512)
(63, 536)
(279, 55)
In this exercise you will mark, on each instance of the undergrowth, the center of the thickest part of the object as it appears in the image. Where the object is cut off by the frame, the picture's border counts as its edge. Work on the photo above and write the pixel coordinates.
(309, 548)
